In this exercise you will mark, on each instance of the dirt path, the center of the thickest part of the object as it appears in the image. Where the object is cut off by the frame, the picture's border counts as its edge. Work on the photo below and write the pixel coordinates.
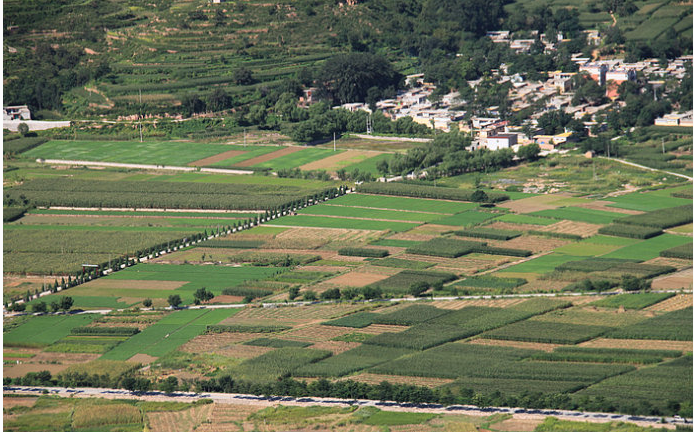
(647, 168)
(142, 166)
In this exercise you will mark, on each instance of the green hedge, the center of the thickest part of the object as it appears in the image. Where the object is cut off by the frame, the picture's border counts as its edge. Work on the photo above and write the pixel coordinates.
(104, 331)
(10, 214)
(555, 235)
(21, 145)
(418, 191)
(363, 252)
(630, 231)
(488, 233)
(503, 251)
(444, 247)
(233, 244)
(242, 328)
(683, 251)
(663, 218)
(246, 292)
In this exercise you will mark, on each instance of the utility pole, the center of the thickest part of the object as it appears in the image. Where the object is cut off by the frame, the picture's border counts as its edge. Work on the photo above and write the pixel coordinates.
(140, 115)
(662, 144)
(334, 143)
(244, 137)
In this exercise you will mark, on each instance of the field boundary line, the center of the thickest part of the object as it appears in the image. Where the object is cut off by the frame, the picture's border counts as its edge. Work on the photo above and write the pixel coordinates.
(646, 167)
(387, 138)
(143, 166)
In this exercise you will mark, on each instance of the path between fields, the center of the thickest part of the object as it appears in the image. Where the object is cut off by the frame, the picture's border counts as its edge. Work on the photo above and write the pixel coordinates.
(143, 166)
(262, 401)
(647, 168)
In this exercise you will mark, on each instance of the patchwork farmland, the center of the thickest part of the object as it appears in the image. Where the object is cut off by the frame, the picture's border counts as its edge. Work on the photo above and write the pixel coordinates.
(408, 241)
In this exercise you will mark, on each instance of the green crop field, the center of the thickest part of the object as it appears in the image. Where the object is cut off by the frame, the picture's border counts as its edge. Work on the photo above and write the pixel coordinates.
(356, 359)
(366, 213)
(278, 363)
(368, 165)
(648, 201)
(402, 203)
(159, 214)
(579, 214)
(586, 248)
(547, 332)
(675, 325)
(610, 240)
(345, 223)
(632, 301)
(250, 153)
(149, 152)
(649, 249)
(45, 329)
(169, 333)
(466, 219)
(543, 264)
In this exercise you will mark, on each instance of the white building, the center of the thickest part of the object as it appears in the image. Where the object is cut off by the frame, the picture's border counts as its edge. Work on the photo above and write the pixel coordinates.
(496, 142)
(19, 112)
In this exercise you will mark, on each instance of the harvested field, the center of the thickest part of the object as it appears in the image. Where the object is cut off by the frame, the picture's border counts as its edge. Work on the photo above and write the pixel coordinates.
(603, 205)
(19, 370)
(376, 379)
(210, 343)
(580, 300)
(544, 285)
(677, 263)
(8, 403)
(179, 421)
(548, 347)
(226, 418)
(217, 158)
(673, 303)
(142, 358)
(473, 263)
(459, 304)
(511, 226)
(336, 347)
(243, 351)
(269, 156)
(313, 238)
(537, 203)
(638, 344)
(63, 358)
(340, 160)
(294, 313)
(322, 268)
(317, 333)
(134, 284)
(356, 279)
(431, 229)
(536, 244)
(376, 329)
(517, 425)
(583, 229)
(226, 299)
(410, 235)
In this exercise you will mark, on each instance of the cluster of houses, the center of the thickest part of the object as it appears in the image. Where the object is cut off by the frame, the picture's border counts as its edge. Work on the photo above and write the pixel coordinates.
(554, 93)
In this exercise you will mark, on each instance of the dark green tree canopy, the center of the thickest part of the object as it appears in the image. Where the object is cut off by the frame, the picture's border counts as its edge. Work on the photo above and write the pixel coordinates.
(348, 77)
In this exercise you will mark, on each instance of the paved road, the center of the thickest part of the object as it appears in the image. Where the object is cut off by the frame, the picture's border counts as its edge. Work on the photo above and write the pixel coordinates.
(241, 399)
(647, 168)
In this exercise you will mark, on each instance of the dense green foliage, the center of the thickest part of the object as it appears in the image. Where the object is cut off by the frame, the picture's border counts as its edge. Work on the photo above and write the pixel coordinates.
(675, 325)
(630, 231)
(591, 264)
(607, 355)
(277, 343)
(488, 233)
(491, 282)
(104, 331)
(547, 332)
(402, 189)
(356, 320)
(632, 301)
(359, 358)
(415, 314)
(683, 252)
(445, 247)
(363, 252)
(664, 218)
(244, 328)
(20, 145)
(404, 280)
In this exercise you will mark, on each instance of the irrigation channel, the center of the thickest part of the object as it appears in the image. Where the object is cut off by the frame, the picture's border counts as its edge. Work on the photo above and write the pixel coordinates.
(264, 401)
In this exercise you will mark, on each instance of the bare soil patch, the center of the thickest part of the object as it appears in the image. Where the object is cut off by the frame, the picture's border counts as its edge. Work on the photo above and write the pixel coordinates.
(336, 347)
(335, 162)
(356, 279)
(397, 379)
(293, 313)
(19, 401)
(211, 343)
(317, 333)
(518, 425)
(533, 204)
(677, 302)
(410, 235)
(511, 226)
(243, 351)
(535, 244)
(583, 229)
(515, 344)
(376, 329)
(677, 263)
(142, 358)
(474, 263)
(19, 370)
(638, 344)
(269, 156)
(224, 299)
(63, 358)
(602, 205)
(313, 238)
(217, 158)
(134, 284)
(543, 285)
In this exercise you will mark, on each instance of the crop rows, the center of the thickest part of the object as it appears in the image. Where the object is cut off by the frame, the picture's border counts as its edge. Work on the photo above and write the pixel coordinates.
(405, 279)
(488, 233)
(245, 328)
(663, 218)
(632, 301)
(418, 191)
(104, 331)
(415, 314)
(363, 252)
(277, 363)
(233, 244)
(676, 325)
(444, 247)
(547, 332)
(356, 359)
(356, 320)
(607, 355)
(491, 282)
(591, 264)
(402, 263)
(277, 343)
(630, 231)
(683, 252)
(421, 336)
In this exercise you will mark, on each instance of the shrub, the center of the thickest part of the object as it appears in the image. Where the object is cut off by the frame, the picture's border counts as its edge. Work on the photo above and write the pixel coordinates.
(363, 252)
(630, 231)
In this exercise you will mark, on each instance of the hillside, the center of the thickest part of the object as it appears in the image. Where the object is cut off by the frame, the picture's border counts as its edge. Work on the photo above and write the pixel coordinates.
(97, 57)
